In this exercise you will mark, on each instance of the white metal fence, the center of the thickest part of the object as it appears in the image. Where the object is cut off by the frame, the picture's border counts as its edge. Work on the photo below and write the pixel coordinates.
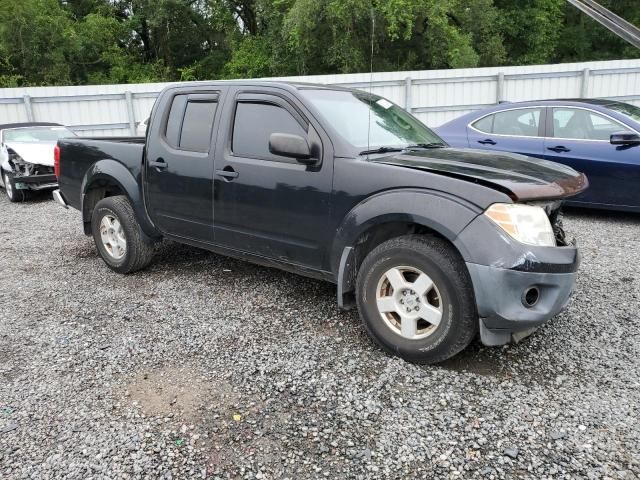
(434, 96)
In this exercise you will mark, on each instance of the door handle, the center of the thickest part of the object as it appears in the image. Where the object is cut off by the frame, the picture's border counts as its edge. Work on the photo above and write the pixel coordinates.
(228, 173)
(488, 141)
(559, 149)
(159, 164)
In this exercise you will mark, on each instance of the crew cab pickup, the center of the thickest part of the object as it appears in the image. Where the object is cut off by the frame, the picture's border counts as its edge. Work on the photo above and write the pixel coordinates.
(432, 244)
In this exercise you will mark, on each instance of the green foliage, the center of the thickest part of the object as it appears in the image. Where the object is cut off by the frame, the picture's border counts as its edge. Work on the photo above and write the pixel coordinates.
(55, 42)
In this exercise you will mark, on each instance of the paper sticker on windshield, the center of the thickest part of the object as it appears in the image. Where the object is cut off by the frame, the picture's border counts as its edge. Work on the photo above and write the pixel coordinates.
(386, 104)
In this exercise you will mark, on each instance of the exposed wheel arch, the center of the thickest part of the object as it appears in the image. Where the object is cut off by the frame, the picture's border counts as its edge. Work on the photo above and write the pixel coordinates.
(391, 214)
(96, 191)
(368, 241)
(107, 178)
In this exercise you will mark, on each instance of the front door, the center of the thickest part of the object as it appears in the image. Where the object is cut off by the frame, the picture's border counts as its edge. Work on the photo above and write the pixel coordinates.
(519, 130)
(265, 204)
(179, 166)
(580, 138)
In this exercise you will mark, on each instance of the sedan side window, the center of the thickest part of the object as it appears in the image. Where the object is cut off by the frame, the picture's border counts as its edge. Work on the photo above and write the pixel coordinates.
(485, 125)
(521, 122)
(579, 124)
(254, 124)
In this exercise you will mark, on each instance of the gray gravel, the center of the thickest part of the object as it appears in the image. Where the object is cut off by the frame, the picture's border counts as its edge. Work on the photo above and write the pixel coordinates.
(207, 367)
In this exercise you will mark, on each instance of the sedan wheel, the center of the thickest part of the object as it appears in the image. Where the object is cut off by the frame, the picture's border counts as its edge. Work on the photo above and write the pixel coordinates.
(13, 194)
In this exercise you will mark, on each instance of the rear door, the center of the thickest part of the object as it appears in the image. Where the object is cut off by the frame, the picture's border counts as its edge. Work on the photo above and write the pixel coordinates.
(264, 204)
(179, 165)
(519, 130)
(580, 138)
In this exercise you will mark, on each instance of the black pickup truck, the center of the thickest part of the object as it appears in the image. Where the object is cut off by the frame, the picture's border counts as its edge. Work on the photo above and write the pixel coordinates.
(432, 244)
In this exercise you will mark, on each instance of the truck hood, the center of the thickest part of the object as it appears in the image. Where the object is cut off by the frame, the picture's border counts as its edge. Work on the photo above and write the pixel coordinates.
(37, 153)
(522, 178)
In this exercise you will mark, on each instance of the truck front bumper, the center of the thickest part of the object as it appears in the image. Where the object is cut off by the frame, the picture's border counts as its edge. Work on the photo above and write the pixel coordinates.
(512, 303)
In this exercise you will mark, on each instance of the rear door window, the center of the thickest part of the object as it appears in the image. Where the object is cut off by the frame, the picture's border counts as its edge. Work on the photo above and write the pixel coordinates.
(197, 125)
(174, 122)
(524, 122)
(190, 122)
(485, 125)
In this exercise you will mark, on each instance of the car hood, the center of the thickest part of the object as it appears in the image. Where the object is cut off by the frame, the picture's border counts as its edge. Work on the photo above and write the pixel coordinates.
(521, 177)
(37, 153)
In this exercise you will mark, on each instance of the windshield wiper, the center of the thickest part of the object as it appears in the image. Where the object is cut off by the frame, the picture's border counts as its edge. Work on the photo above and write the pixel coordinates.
(381, 150)
(427, 145)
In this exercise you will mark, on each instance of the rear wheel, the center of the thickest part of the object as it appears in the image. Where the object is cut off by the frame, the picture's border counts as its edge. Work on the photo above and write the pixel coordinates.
(416, 299)
(117, 234)
(13, 194)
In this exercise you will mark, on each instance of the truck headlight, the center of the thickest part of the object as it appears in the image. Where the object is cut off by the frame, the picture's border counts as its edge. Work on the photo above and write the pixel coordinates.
(526, 223)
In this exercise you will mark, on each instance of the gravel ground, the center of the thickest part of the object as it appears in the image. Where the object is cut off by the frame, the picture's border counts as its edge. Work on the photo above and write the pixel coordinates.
(207, 367)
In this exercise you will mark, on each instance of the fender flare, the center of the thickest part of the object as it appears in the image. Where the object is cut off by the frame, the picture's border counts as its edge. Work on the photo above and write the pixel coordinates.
(108, 170)
(441, 212)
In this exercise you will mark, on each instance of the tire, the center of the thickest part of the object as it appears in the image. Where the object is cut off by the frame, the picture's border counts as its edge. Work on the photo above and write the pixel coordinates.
(442, 319)
(13, 194)
(120, 241)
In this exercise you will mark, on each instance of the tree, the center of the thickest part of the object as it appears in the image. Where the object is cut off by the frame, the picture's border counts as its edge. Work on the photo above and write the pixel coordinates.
(53, 42)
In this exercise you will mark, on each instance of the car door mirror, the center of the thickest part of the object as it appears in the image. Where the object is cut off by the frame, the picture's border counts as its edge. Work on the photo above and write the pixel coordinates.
(625, 138)
(291, 146)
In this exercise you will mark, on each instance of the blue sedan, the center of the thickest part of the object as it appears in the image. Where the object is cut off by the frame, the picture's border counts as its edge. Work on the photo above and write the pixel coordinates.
(598, 137)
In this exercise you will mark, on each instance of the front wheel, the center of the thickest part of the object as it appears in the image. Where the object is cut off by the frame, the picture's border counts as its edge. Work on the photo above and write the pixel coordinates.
(416, 300)
(118, 236)
(13, 194)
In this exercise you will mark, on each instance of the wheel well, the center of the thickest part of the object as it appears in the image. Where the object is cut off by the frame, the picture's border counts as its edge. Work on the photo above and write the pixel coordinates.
(96, 192)
(379, 234)
(367, 242)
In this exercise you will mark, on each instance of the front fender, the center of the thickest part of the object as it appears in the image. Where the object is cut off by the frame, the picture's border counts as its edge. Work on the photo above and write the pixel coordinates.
(443, 213)
(5, 166)
(109, 171)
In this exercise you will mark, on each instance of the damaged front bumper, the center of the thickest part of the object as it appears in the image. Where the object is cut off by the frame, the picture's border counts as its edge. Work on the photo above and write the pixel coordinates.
(517, 287)
(512, 304)
(36, 182)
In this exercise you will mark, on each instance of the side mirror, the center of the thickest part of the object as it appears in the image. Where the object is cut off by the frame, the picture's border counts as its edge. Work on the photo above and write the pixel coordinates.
(625, 138)
(291, 146)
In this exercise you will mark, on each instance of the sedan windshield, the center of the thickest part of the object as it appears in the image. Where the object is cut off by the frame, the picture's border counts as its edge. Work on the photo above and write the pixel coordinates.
(368, 121)
(37, 134)
(627, 109)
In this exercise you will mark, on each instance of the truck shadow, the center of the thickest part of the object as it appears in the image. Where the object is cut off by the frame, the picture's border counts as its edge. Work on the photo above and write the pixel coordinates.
(177, 259)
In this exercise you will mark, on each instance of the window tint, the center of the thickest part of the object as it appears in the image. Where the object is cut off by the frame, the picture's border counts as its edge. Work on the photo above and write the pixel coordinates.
(176, 114)
(578, 124)
(485, 124)
(521, 122)
(254, 124)
(197, 125)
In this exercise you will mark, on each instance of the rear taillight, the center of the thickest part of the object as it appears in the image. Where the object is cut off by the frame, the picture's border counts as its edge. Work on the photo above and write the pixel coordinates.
(56, 160)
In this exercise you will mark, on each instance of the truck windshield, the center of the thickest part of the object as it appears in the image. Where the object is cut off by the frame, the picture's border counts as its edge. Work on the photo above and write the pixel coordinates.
(37, 134)
(369, 121)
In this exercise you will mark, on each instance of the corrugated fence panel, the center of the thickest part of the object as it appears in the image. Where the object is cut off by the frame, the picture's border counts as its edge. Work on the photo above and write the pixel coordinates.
(434, 96)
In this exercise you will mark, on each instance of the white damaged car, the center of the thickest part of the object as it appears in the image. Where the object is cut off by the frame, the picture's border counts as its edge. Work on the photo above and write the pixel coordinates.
(26, 157)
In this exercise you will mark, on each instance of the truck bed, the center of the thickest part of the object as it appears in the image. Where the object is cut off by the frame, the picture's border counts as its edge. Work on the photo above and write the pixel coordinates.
(79, 155)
